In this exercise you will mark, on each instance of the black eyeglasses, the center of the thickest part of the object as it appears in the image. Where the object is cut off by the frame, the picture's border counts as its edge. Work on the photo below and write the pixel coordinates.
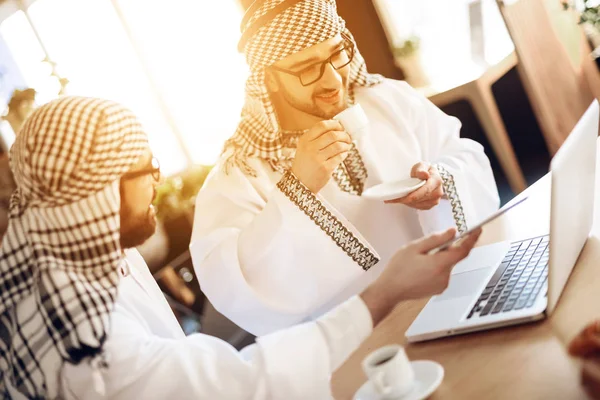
(154, 171)
(314, 72)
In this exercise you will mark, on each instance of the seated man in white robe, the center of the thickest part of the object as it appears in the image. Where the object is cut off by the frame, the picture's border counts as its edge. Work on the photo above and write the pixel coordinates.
(276, 241)
(81, 316)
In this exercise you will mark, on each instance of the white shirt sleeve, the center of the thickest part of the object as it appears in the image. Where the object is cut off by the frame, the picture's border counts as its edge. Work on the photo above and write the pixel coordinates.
(469, 182)
(262, 261)
(295, 363)
(351, 322)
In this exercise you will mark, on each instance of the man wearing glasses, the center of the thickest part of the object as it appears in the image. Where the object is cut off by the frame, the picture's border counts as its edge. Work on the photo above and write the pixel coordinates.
(81, 317)
(282, 232)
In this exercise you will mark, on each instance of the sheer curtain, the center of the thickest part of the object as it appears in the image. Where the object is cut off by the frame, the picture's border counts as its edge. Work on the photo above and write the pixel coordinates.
(444, 27)
(174, 63)
(190, 48)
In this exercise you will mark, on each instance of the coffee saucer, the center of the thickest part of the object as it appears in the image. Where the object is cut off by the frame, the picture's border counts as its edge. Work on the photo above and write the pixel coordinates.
(393, 190)
(428, 377)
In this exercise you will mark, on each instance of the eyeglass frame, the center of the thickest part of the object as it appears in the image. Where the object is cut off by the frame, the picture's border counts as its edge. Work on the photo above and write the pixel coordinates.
(347, 41)
(154, 171)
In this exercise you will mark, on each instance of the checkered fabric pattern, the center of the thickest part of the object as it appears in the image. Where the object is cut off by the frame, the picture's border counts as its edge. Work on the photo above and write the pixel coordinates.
(303, 25)
(60, 257)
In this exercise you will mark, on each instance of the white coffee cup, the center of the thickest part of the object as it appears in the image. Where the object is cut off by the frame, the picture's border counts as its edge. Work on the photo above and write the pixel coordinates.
(390, 372)
(354, 120)
(356, 123)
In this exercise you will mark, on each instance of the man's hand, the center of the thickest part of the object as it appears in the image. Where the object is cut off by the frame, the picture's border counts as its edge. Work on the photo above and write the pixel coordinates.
(320, 151)
(428, 195)
(590, 376)
(587, 342)
(413, 273)
(587, 346)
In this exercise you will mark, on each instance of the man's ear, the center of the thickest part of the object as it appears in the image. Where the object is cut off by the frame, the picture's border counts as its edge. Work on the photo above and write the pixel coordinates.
(271, 81)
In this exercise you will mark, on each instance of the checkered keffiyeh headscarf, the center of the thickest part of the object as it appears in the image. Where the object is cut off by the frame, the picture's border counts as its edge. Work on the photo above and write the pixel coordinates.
(59, 259)
(296, 25)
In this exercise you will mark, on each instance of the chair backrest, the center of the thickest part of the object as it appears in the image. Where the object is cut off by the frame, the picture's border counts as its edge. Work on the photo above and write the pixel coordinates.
(554, 64)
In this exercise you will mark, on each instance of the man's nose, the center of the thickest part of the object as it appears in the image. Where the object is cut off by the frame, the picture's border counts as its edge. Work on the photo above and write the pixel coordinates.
(331, 78)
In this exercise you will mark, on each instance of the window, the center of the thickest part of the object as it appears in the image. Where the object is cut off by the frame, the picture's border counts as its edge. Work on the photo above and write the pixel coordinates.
(175, 64)
(192, 54)
(445, 30)
(91, 48)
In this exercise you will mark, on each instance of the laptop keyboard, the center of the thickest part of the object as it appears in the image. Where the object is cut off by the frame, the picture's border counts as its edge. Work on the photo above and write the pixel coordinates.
(517, 281)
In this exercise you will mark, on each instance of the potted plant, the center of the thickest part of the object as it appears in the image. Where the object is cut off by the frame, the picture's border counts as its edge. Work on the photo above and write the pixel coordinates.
(589, 18)
(174, 203)
(407, 56)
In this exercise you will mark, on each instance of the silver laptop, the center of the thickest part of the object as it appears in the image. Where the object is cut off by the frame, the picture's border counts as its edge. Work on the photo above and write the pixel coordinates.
(510, 283)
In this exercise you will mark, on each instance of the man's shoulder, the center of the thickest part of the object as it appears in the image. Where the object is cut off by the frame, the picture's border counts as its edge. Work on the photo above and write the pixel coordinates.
(391, 85)
(398, 89)
(228, 182)
(226, 171)
(398, 95)
(134, 257)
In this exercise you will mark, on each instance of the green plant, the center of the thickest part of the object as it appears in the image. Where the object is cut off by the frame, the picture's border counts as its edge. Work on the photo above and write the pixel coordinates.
(407, 47)
(590, 13)
(177, 194)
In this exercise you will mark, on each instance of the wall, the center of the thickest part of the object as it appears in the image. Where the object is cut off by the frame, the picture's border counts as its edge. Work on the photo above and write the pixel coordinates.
(363, 21)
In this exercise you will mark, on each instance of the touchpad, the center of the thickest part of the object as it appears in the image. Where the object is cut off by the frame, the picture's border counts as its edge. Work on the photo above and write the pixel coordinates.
(464, 284)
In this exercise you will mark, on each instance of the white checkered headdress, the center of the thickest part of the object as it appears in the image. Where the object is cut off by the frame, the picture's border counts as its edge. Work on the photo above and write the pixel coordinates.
(60, 257)
(271, 31)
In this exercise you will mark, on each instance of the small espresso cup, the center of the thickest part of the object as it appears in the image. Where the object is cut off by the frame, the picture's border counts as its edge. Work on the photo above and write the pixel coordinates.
(354, 120)
(390, 372)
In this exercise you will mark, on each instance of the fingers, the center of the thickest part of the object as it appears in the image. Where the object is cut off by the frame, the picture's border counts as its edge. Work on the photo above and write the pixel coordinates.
(426, 205)
(334, 149)
(333, 162)
(458, 250)
(321, 128)
(411, 199)
(393, 201)
(427, 196)
(587, 342)
(330, 137)
(590, 377)
(418, 195)
(420, 170)
(584, 346)
(432, 241)
(433, 189)
(465, 245)
(423, 205)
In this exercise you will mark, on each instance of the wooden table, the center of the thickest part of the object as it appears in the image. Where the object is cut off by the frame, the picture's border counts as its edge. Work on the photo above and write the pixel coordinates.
(523, 362)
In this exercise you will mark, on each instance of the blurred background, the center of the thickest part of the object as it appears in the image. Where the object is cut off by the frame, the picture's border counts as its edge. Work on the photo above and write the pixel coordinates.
(176, 65)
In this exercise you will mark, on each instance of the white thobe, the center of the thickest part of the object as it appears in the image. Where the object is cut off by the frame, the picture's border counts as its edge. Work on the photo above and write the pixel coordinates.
(266, 265)
(150, 357)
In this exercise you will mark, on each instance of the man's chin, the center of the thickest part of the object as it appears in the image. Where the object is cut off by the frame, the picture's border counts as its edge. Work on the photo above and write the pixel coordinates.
(331, 110)
(139, 235)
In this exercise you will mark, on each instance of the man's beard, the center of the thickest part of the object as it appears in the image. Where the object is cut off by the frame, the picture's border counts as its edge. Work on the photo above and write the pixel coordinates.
(135, 230)
(312, 108)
